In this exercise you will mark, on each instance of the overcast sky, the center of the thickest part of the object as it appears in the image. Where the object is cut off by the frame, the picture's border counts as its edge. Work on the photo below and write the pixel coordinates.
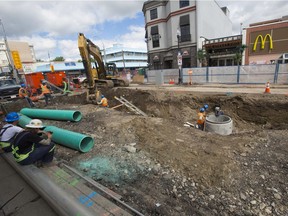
(53, 26)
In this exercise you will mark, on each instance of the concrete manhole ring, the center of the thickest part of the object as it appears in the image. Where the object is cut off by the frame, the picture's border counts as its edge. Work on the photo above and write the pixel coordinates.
(222, 124)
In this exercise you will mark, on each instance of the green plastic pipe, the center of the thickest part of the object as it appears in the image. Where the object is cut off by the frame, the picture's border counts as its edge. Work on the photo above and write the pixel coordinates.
(77, 141)
(64, 115)
(23, 120)
(71, 139)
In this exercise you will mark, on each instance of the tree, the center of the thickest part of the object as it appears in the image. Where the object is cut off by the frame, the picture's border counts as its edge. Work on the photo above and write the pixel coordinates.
(39, 60)
(201, 56)
(239, 53)
(59, 58)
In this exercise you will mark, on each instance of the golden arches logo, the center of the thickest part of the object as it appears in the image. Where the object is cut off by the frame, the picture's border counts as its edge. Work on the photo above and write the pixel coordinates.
(263, 40)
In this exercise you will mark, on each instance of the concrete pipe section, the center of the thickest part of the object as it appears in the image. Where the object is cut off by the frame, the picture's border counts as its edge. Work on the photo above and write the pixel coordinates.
(222, 124)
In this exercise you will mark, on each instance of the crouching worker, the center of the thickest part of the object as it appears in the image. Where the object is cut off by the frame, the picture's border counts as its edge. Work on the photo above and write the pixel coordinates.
(103, 102)
(29, 146)
(9, 131)
(201, 119)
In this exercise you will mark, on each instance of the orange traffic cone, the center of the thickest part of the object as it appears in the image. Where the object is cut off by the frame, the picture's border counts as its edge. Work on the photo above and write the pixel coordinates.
(171, 81)
(267, 89)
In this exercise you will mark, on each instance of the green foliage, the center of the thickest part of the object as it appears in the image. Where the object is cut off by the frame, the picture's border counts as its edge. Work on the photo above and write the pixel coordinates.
(59, 58)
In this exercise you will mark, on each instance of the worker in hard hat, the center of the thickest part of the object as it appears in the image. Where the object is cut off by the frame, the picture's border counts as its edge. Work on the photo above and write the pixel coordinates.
(205, 109)
(218, 111)
(24, 93)
(103, 102)
(33, 144)
(9, 131)
(201, 119)
(46, 92)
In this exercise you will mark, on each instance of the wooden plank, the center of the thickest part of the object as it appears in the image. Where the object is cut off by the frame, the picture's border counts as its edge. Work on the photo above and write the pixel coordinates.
(92, 182)
(94, 196)
(82, 197)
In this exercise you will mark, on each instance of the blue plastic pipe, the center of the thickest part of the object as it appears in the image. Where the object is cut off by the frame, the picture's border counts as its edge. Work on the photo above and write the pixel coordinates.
(63, 137)
(63, 115)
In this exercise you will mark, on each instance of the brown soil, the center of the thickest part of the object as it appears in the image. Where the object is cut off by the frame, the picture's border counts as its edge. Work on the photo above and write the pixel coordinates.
(178, 170)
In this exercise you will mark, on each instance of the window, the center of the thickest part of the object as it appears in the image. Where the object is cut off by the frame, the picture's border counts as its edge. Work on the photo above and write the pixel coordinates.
(155, 36)
(185, 28)
(183, 3)
(153, 14)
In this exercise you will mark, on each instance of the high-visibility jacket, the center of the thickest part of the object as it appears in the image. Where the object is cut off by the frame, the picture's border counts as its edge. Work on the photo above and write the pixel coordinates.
(23, 92)
(201, 118)
(104, 102)
(45, 89)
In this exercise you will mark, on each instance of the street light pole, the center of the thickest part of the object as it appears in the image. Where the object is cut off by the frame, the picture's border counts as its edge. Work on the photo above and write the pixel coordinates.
(10, 59)
(179, 56)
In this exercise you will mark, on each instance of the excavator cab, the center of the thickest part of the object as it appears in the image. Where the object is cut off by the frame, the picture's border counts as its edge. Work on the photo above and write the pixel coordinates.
(111, 70)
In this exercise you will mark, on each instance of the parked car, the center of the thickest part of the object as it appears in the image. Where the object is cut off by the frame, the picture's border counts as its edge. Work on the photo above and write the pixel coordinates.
(9, 89)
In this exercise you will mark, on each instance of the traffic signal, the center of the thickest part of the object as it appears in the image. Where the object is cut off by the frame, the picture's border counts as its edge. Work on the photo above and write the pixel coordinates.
(16, 59)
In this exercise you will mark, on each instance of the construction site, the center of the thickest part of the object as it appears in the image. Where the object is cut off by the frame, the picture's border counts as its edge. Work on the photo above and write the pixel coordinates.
(152, 164)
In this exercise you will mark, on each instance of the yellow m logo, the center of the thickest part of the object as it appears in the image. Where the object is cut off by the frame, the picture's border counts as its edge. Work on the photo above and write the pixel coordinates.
(263, 40)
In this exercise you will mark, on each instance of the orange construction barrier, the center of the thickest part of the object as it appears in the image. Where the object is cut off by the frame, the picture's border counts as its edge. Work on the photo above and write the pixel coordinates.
(267, 89)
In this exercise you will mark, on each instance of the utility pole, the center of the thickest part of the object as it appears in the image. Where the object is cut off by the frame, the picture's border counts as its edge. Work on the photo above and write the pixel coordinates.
(123, 61)
(10, 59)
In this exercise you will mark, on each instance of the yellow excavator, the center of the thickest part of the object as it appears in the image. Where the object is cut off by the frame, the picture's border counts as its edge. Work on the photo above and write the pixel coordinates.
(97, 74)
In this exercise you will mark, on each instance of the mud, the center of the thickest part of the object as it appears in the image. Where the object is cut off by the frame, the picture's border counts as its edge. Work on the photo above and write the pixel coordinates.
(161, 167)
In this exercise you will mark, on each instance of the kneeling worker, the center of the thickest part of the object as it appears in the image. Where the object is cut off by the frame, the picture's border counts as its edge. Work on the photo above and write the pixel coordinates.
(104, 101)
(29, 146)
(9, 131)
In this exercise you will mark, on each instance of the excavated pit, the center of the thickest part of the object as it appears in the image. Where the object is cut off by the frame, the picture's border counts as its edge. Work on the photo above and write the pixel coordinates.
(176, 170)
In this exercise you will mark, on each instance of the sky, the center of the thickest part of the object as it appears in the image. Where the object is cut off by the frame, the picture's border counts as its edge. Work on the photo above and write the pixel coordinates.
(52, 27)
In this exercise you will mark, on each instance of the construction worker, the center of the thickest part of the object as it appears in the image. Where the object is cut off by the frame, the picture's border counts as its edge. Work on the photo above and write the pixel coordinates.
(9, 131)
(33, 145)
(103, 102)
(205, 109)
(46, 92)
(218, 110)
(24, 93)
(201, 119)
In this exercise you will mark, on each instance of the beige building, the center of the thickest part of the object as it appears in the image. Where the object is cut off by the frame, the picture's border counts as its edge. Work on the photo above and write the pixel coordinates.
(25, 52)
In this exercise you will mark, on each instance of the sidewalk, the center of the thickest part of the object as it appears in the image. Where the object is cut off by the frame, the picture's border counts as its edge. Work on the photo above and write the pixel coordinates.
(17, 197)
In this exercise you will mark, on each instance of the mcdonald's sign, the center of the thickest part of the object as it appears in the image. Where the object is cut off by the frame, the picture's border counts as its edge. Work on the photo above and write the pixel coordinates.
(262, 41)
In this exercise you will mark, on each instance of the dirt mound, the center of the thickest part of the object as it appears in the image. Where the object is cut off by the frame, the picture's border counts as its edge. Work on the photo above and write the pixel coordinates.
(161, 167)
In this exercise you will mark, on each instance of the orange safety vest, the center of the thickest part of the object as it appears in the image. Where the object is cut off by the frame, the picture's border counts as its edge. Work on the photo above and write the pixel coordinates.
(45, 89)
(104, 102)
(201, 118)
(23, 92)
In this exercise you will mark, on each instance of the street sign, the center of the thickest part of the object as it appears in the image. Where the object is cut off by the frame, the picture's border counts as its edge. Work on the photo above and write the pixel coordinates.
(179, 58)
(16, 59)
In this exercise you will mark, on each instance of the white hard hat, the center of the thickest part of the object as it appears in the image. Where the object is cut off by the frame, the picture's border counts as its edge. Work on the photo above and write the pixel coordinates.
(35, 123)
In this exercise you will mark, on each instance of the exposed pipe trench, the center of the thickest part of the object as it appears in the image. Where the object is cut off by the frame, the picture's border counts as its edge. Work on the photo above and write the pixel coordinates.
(77, 141)
(62, 202)
(63, 115)
(222, 124)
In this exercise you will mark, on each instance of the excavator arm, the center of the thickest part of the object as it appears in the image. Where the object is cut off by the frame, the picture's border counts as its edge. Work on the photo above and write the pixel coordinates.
(98, 75)
(84, 52)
